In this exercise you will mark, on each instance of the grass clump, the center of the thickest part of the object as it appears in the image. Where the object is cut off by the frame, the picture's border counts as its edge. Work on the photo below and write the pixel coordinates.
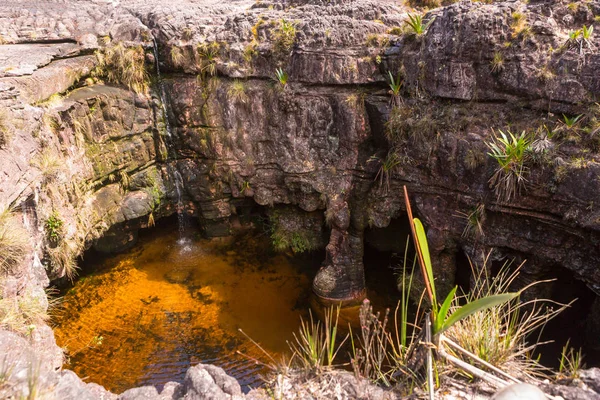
(123, 65)
(284, 38)
(316, 345)
(237, 92)
(49, 163)
(497, 63)
(570, 362)
(208, 54)
(512, 155)
(388, 166)
(22, 313)
(520, 27)
(14, 242)
(395, 86)
(177, 56)
(500, 335)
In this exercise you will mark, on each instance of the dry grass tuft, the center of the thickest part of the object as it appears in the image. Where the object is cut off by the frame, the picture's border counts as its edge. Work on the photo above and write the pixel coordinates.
(14, 241)
(503, 335)
(123, 65)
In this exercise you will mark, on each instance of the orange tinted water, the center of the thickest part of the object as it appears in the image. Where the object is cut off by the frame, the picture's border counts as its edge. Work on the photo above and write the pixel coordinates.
(144, 317)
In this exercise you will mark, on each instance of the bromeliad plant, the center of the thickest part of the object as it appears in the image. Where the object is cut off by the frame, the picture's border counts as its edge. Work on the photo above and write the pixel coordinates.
(395, 86)
(282, 77)
(512, 153)
(416, 24)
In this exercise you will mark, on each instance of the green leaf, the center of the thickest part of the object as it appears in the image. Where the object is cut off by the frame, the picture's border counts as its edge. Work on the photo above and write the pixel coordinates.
(442, 314)
(475, 306)
(422, 243)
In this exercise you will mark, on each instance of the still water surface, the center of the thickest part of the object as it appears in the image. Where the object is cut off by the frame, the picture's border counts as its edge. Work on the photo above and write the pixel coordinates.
(145, 316)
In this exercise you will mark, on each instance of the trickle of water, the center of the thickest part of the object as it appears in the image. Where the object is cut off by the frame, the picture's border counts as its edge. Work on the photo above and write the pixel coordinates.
(183, 240)
(161, 89)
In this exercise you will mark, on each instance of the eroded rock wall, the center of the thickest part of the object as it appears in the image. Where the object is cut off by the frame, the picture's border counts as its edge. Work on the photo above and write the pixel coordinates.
(108, 160)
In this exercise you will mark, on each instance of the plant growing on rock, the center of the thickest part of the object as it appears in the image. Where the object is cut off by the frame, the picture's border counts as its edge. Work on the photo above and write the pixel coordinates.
(416, 24)
(54, 227)
(388, 166)
(511, 153)
(497, 63)
(581, 38)
(395, 86)
(237, 92)
(13, 240)
(177, 56)
(282, 77)
(123, 65)
(519, 25)
(208, 54)
(284, 38)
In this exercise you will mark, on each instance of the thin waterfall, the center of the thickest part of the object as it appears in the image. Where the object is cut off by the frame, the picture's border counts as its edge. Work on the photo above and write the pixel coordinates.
(161, 89)
(180, 209)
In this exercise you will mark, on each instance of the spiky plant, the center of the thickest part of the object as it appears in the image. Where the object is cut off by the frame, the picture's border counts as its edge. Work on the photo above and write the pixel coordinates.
(395, 86)
(417, 25)
(497, 63)
(282, 77)
(511, 153)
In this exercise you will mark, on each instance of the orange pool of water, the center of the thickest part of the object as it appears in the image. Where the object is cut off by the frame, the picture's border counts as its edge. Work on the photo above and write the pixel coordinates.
(144, 317)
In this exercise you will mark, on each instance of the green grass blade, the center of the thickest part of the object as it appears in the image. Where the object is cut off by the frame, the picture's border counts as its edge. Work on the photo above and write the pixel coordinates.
(424, 247)
(442, 314)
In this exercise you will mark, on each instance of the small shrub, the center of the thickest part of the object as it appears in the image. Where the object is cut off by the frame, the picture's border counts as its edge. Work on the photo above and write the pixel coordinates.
(123, 65)
(54, 227)
(511, 153)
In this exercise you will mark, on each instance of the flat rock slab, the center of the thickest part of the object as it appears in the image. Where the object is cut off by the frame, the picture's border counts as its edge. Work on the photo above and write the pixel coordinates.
(25, 59)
